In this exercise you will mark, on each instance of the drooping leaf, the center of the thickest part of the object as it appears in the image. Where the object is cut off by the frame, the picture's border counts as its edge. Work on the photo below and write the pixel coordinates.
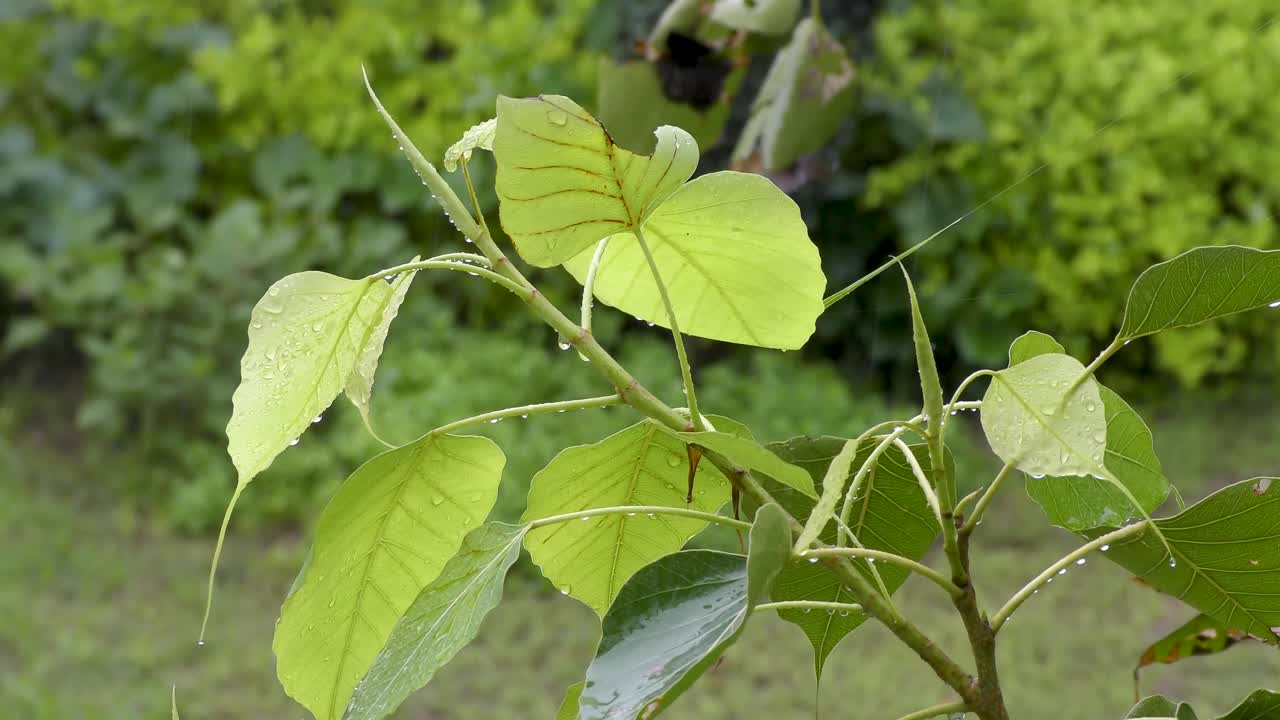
(804, 100)
(569, 706)
(478, 137)
(735, 256)
(1033, 344)
(1260, 705)
(767, 17)
(1226, 561)
(444, 617)
(641, 465)
(890, 514)
(359, 385)
(1202, 635)
(749, 454)
(675, 618)
(631, 104)
(1031, 422)
(1079, 503)
(387, 533)
(1200, 285)
(564, 184)
(1158, 707)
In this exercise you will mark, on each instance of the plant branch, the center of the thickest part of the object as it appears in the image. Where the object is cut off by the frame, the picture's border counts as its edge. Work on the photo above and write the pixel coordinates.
(938, 578)
(1001, 617)
(527, 410)
(454, 265)
(1103, 356)
(685, 371)
(807, 605)
(976, 516)
(936, 711)
(649, 510)
(589, 284)
(856, 484)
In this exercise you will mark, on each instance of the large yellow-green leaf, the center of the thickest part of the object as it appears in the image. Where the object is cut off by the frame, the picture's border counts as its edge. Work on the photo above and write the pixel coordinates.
(359, 386)
(675, 618)
(1225, 558)
(735, 256)
(385, 535)
(563, 183)
(642, 465)
(1200, 285)
(1080, 502)
(804, 100)
(1030, 421)
(306, 337)
(443, 618)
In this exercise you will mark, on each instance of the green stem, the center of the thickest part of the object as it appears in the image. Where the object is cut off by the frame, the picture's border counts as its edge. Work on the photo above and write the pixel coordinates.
(217, 553)
(685, 371)
(976, 516)
(636, 510)
(456, 266)
(1001, 617)
(903, 562)
(1103, 356)
(527, 410)
(809, 605)
(936, 711)
(475, 202)
(589, 284)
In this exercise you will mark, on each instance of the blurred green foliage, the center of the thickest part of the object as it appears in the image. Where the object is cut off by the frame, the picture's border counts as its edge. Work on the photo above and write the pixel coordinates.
(981, 95)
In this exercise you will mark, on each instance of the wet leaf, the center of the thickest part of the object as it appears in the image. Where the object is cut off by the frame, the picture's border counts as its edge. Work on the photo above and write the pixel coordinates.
(1033, 344)
(675, 618)
(444, 617)
(1200, 285)
(478, 137)
(386, 534)
(641, 465)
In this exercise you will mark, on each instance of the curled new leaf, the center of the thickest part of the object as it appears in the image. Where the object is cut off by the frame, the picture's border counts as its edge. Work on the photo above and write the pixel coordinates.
(477, 137)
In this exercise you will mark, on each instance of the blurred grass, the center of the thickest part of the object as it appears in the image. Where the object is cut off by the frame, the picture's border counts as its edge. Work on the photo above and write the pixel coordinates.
(101, 608)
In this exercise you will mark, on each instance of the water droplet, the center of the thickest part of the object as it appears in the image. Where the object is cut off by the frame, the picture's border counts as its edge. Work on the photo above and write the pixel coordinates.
(199, 643)
(586, 518)
(294, 441)
(388, 278)
(1126, 342)
(1049, 410)
(524, 416)
(813, 560)
(1253, 562)
(1063, 571)
(1099, 437)
(1173, 562)
(651, 516)
(437, 499)
(844, 613)
(631, 514)
(557, 117)
(560, 410)
(673, 461)
(273, 292)
(831, 611)
(583, 358)
(1105, 548)
(495, 421)
(333, 601)
(1275, 304)
(1046, 582)
(565, 590)
(316, 419)
(807, 610)
(257, 325)
(1081, 561)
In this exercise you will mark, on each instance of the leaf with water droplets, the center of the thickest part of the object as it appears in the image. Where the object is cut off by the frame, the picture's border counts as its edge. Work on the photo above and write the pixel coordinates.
(305, 341)
(1226, 561)
(477, 137)
(675, 618)
(443, 618)
(1200, 285)
(890, 513)
(641, 465)
(359, 386)
(382, 538)
(1031, 421)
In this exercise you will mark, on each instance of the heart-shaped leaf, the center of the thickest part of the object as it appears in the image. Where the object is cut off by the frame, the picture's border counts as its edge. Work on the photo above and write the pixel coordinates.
(1030, 420)
(675, 618)
(1225, 562)
(445, 617)
(387, 533)
(564, 184)
(1033, 344)
(1200, 285)
(641, 465)
(735, 256)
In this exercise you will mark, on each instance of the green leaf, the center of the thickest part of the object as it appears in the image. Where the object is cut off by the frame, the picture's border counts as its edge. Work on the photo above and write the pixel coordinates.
(564, 184)
(1033, 344)
(569, 706)
(748, 453)
(385, 535)
(1226, 561)
(890, 514)
(477, 137)
(736, 258)
(1079, 503)
(675, 618)
(445, 617)
(1200, 285)
(1260, 705)
(641, 465)
(805, 98)
(1158, 707)
(767, 17)
(173, 702)
(306, 338)
(631, 104)
(359, 385)
(930, 385)
(1202, 635)
(1029, 420)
